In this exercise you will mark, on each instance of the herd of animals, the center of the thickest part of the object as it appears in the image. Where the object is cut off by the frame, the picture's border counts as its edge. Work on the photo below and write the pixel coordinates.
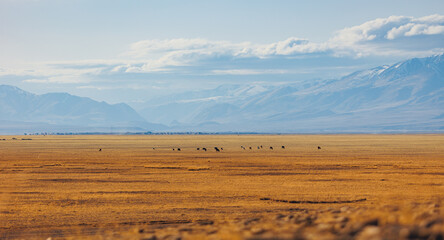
(198, 149)
(221, 149)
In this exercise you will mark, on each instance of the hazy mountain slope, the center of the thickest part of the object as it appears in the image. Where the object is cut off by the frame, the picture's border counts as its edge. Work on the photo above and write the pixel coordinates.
(407, 96)
(189, 107)
(17, 105)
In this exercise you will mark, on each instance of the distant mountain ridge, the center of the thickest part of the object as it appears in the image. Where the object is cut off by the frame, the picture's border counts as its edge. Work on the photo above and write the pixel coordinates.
(404, 97)
(63, 109)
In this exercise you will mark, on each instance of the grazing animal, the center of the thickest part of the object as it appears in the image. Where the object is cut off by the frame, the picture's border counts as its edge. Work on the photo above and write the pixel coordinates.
(198, 149)
(217, 149)
(178, 149)
(243, 147)
(100, 149)
(250, 147)
(174, 149)
(283, 147)
(204, 149)
(262, 146)
(319, 147)
(221, 148)
(271, 148)
(154, 148)
(258, 147)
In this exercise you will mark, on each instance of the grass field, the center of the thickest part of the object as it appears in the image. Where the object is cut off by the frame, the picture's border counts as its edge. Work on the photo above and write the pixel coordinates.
(137, 187)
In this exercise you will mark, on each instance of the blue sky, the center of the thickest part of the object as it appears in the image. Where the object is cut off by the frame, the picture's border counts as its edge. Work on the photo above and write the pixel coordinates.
(134, 50)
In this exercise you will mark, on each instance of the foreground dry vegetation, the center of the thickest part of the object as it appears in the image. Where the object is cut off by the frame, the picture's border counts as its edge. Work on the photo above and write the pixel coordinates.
(137, 187)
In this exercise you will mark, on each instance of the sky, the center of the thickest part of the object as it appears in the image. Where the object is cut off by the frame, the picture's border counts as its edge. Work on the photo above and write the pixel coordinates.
(135, 50)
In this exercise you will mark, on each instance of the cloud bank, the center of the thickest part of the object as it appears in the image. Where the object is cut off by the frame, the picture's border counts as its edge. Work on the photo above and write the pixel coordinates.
(155, 60)
(399, 35)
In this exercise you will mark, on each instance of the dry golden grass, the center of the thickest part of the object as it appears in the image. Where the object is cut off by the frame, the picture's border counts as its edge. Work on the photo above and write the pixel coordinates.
(63, 186)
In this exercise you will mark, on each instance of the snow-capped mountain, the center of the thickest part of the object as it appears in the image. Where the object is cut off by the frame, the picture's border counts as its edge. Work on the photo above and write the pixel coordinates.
(407, 96)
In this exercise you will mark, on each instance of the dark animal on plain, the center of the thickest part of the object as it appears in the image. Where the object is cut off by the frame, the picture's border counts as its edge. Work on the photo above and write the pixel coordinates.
(250, 147)
(261, 146)
(174, 149)
(100, 149)
(154, 148)
(283, 147)
(221, 149)
(204, 149)
(319, 147)
(271, 148)
(258, 147)
(178, 149)
(198, 149)
(217, 149)
(243, 147)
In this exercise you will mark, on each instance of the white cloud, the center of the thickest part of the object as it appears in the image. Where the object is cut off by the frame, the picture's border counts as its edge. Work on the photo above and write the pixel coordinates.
(188, 47)
(158, 55)
(125, 86)
(248, 71)
(368, 31)
(379, 37)
(147, 47)
(435, 18)
(64, 79)
(390, 28)
(391, 37)
(155, 55)
(287, 47)
(414, 29)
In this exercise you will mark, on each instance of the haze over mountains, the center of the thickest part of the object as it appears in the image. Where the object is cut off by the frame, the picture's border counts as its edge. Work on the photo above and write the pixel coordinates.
(22, 111)
(404, 97)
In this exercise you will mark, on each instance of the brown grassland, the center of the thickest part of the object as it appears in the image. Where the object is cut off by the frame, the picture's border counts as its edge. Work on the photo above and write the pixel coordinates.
(137, 187)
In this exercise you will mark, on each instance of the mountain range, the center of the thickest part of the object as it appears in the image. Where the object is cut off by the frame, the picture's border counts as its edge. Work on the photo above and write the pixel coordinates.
(21, 111)
(404, 97)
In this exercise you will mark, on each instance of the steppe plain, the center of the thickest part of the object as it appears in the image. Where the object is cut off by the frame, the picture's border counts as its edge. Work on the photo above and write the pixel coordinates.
(138, 187)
